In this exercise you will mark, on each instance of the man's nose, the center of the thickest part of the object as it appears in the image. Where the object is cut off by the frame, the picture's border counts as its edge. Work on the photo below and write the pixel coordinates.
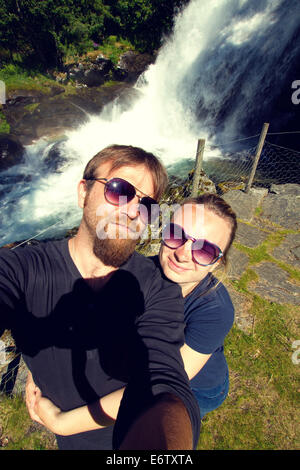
(184, 252)
(132, 208)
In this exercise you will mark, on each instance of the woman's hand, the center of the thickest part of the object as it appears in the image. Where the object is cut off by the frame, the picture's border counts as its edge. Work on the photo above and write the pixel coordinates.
(41, 409)
(97, 415)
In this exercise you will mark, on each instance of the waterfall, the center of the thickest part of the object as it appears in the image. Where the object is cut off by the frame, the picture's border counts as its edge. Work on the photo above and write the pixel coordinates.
(219, 75)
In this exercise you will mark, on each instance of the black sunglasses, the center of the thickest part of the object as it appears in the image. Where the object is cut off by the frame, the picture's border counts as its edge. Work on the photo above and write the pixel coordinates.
(204, 252)
(119, 192)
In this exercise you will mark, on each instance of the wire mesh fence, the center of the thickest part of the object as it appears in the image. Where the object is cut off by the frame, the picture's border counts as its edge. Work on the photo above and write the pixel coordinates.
(229, 165)
(10, 361)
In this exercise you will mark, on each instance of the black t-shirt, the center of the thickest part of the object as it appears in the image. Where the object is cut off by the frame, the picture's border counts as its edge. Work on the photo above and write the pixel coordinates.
(81, 345)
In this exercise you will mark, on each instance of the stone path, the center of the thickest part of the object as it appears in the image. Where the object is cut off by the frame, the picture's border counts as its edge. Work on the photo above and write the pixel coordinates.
(262, 214)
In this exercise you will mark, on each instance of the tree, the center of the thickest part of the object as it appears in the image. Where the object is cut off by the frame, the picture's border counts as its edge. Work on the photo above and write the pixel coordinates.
(46, 30)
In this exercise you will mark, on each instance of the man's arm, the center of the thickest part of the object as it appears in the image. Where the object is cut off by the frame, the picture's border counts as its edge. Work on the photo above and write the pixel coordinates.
(157, 373)
(166, 425)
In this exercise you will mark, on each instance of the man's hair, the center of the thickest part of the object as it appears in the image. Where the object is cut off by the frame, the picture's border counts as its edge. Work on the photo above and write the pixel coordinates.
(126, 155)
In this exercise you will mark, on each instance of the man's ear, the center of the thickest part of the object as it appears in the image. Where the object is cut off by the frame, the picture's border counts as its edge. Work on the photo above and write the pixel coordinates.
(81, 192)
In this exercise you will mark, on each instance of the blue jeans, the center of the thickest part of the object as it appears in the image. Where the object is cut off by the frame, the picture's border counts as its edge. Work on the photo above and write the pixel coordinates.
(211, 398)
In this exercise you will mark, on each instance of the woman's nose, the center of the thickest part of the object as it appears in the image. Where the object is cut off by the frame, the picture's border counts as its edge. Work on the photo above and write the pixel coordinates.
(184, 252)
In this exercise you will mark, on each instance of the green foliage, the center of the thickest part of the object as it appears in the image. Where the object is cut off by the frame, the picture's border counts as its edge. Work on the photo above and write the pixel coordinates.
(14, 77)
(113, 47)
(46, 32)
(4, 126)
(144, 21)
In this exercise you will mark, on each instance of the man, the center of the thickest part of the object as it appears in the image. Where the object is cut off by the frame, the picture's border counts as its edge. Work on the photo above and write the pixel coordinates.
(91, 315)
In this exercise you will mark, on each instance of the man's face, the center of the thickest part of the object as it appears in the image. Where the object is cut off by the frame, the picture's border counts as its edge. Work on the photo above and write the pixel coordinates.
(114, 230)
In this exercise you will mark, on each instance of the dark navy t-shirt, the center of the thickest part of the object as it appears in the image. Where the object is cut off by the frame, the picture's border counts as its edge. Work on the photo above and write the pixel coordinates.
(209, 315)
(81, 345)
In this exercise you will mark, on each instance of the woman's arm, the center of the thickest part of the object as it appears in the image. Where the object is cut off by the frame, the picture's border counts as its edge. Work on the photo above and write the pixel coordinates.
(193, 360)
(97, 415)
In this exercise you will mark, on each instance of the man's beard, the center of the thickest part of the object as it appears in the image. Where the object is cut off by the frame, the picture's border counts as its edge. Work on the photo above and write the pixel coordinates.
(109, 246)
(113, 252)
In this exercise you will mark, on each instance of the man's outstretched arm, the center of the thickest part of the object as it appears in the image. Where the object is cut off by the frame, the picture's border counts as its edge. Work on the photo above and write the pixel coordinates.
(165, 425)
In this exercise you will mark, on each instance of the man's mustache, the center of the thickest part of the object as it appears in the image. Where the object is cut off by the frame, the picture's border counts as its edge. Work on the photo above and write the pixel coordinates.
(107, 227)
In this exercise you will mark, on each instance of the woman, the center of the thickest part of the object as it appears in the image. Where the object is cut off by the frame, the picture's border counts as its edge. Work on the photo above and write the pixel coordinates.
(194, 244)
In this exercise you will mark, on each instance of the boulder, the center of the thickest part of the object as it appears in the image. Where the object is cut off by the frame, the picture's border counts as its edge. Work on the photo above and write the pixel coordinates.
(244, 204)
(289, 189)
(250, 236)
(282, 206)
(11, 151)
(92, 73)
(132, 64)
(274, 284)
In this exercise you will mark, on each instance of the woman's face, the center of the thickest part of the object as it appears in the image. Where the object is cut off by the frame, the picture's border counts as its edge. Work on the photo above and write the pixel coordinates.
(197, 222)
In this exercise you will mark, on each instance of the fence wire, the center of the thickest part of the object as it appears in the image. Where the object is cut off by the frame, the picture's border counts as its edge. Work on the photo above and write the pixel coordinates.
(10, 362)
(230, 169)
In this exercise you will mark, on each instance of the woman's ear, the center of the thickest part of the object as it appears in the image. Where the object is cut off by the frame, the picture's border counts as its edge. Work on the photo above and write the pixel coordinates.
(216, 265)
(81, 193)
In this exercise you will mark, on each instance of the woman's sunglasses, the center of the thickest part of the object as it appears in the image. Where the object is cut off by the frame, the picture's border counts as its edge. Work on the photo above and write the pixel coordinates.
(204, 252)
(118, 192)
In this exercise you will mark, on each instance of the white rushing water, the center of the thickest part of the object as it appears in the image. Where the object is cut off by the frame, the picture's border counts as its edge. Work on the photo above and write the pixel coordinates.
(200, 67)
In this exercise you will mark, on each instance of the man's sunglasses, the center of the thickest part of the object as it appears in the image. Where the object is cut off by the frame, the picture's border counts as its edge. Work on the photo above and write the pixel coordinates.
(204, 252)
(118, 192)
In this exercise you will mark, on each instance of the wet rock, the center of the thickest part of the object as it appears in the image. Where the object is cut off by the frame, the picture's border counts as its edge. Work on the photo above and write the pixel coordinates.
(63, 112)
(11, 151)
(55, 158)
(22, 97)
(132, 64)
(91, 73)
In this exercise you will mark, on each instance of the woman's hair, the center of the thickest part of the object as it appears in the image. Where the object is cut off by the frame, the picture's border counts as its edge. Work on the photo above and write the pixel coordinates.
(218, 206)
(126, 155)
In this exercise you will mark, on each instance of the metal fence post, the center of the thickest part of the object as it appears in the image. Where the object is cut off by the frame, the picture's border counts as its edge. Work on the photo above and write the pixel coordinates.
(257, 155)
(198, 167)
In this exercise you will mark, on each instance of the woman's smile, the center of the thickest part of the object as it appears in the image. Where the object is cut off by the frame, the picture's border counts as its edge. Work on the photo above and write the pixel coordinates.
(175, 267)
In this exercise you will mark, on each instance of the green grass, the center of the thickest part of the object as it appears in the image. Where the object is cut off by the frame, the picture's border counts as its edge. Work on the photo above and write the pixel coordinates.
(31, 107)
(4, 126)
(262, 408)
(17, 431)
(113, 47)
(16, 77)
